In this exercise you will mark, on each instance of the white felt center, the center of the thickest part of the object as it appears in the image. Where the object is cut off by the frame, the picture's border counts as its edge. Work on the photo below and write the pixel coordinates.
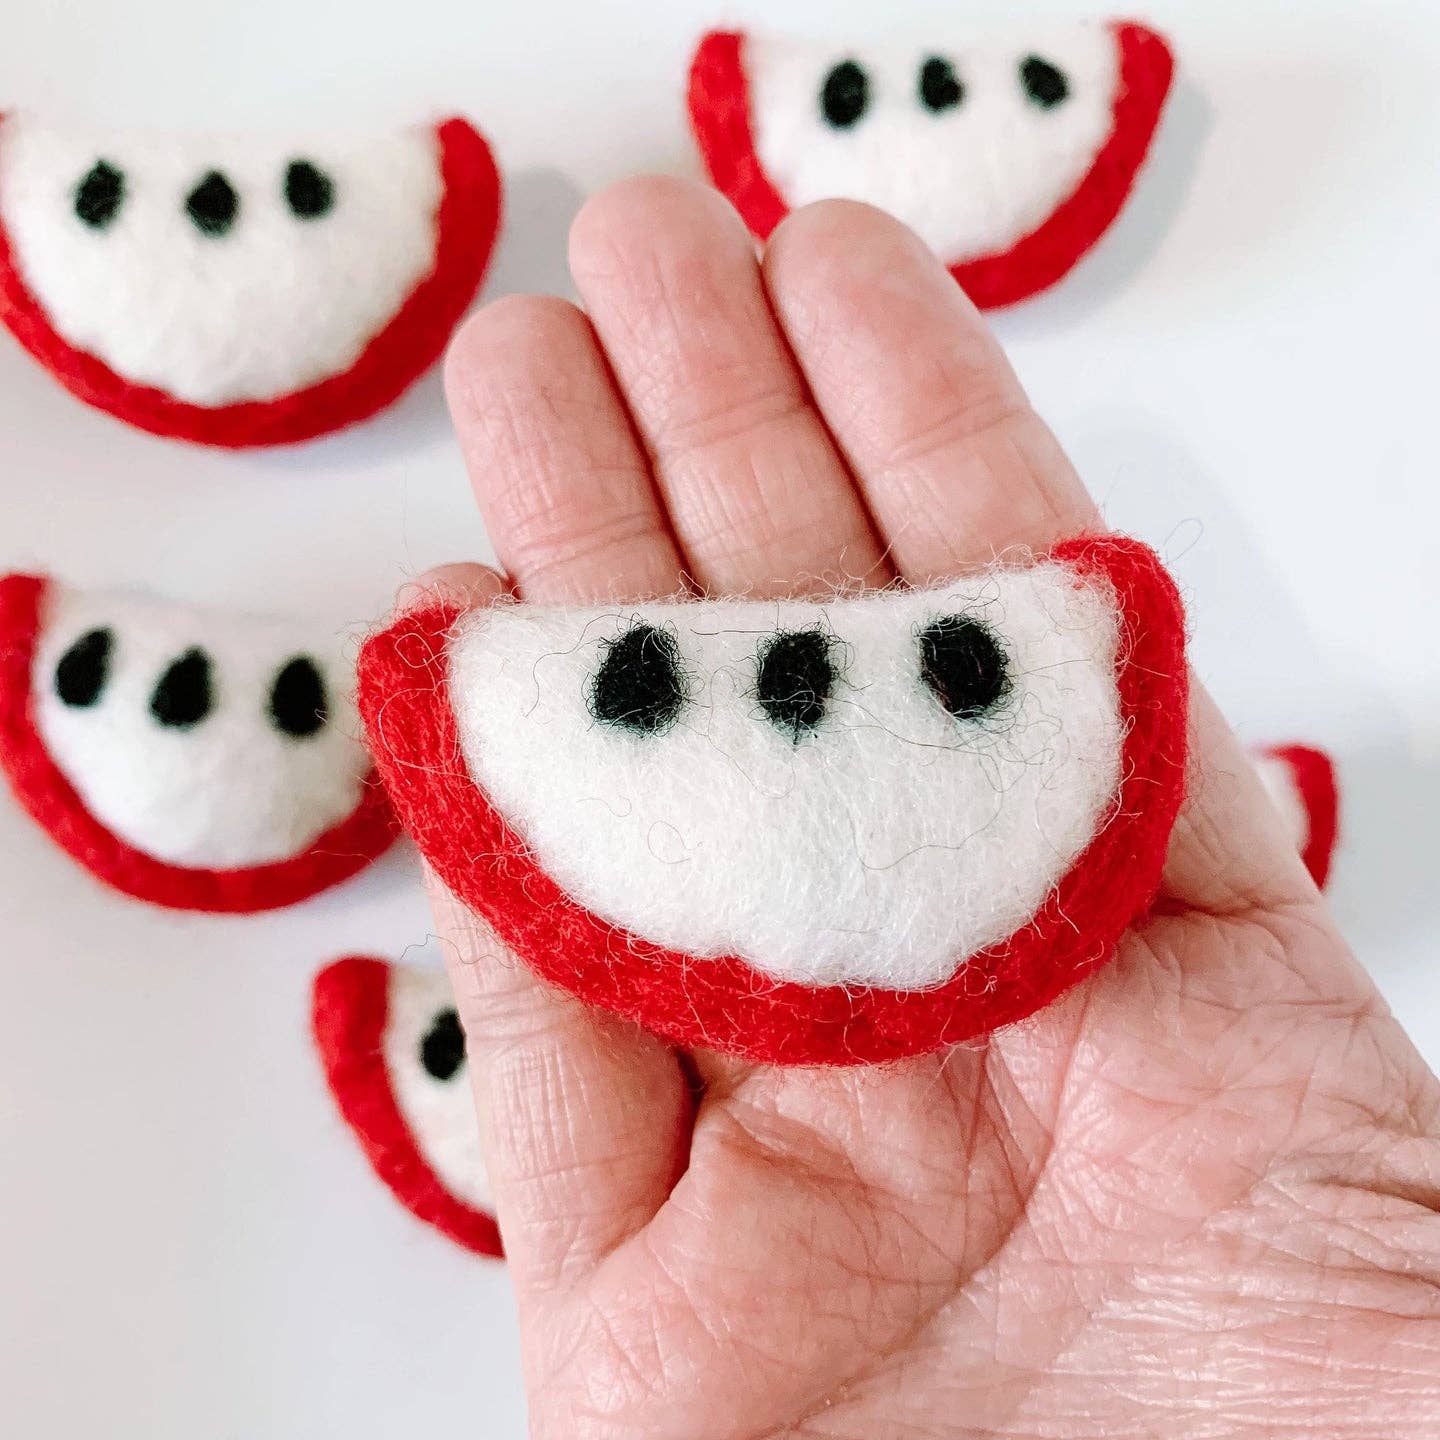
(229, 792)
(272, 306)
(1279, 782)
(440, 1113)
(972, 179)
(884, 846)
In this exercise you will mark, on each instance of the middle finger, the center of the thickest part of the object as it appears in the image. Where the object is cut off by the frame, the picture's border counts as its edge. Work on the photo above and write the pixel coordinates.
(757, 494)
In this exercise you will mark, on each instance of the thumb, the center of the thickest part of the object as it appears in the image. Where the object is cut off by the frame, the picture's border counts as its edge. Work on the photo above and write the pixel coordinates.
(584, 1119)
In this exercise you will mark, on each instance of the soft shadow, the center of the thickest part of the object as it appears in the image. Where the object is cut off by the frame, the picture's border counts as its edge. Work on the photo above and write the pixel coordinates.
(1248, 632)
(540, 205)
(1389, 845)
(1160, 193)
(1276, 678)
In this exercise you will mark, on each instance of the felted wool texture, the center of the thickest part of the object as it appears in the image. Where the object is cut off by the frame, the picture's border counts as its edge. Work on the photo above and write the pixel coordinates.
(241, 289)
(1302, 783)
(371, 1020)
(1117, 632)
(1010, 183)
(878, 848)
(190, 758)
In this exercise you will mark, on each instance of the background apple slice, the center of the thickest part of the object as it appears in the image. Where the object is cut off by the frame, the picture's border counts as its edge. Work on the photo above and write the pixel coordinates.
(916, 864)
(1010, 154)
(189, 758)
(1302, 783)
(394, 1058)
(241, 291)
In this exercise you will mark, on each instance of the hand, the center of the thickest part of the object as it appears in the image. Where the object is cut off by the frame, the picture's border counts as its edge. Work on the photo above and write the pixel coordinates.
(1196, 1197)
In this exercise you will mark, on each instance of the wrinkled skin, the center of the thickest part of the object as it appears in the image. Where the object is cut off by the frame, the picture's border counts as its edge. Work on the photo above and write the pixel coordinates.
(1195, 1198)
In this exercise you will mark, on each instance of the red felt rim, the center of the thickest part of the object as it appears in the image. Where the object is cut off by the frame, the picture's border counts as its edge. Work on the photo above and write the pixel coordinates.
(1313, 773)
(53, 802)
(466, 224)
(720, 117)
(725, 1004)
(349, 1009)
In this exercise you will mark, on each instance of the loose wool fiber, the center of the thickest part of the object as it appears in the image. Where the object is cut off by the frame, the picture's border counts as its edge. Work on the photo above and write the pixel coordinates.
(873, 849)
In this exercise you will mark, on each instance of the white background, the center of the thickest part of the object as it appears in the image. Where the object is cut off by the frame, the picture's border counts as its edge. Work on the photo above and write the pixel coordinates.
(191, 1246)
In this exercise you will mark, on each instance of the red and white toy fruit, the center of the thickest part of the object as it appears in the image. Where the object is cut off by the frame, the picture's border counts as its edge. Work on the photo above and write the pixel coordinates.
(241, 291)
(394, 1057)
(1301, 781)
(191, 759)
(823, 832)
(1010, 155)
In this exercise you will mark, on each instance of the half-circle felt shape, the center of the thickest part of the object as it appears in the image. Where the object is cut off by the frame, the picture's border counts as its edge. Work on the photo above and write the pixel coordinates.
(1302, 781)
(1059, 200)
(364, 1013)
(164, 773)
(260, 296)
(409, 688)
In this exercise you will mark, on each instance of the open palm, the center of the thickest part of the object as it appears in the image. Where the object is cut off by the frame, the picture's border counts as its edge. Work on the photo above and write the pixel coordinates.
(1197, 1197)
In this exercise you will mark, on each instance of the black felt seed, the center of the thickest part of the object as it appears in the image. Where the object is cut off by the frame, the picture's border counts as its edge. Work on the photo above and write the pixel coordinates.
(1044, 83)
(183, 696)
(844, 95)
(309, 191)
(84, 668)
(963, 664)
(940, 87)
(213, 204)
(639, 685)
(794, 678)
(99, 195)
(298, 703)
(442, 1051)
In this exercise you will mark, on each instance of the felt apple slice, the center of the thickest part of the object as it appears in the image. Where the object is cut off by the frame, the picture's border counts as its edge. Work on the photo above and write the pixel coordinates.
(394, 1057)
(1009, 155)
(814, 832)
(241, 291)
(192, 759)
(1301, 782)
